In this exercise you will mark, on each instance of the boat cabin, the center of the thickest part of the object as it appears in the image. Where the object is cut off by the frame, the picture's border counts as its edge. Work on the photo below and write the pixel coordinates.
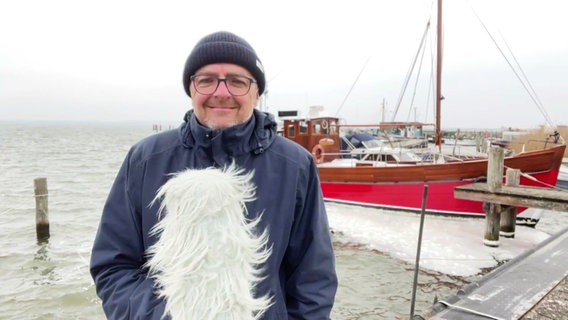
(318, 135)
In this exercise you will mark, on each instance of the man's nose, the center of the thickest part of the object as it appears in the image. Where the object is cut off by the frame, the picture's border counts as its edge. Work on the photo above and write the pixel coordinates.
(222, 89)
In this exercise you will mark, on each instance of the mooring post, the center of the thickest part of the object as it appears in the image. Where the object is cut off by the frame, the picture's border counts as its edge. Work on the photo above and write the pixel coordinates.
(509, 214)
(42, 217)
(493, 210)
(418, 250)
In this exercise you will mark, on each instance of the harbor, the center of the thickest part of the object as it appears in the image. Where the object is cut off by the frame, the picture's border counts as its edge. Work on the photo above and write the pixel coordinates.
(375, 248)
(422, 227)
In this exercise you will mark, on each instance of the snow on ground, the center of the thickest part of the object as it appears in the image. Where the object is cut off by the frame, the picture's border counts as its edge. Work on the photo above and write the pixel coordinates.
(453, 246)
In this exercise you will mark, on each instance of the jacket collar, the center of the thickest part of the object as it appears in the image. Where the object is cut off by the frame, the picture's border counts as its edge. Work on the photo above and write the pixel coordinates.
(254, 136)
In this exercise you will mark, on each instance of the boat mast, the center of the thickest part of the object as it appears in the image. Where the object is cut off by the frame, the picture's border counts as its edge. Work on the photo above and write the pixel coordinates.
(439, 76)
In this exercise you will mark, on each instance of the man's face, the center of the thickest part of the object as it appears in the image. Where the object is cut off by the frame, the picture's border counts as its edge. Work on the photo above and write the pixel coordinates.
(221, 109)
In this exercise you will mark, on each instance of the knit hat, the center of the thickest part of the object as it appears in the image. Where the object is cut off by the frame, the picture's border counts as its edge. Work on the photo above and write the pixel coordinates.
(226, 47)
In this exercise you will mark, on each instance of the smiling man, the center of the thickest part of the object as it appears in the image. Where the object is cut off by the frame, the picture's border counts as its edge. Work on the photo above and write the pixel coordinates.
(224, 79)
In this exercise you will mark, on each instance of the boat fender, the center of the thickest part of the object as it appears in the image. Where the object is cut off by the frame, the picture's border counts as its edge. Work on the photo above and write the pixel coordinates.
(318, 153)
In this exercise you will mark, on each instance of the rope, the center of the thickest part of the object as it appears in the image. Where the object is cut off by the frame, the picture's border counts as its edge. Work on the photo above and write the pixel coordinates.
(528, 176)
(409, 74)
(352, 86)
(524, 80)
(469, 310)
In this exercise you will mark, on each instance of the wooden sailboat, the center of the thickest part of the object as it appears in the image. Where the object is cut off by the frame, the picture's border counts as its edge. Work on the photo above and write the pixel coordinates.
(381, 181)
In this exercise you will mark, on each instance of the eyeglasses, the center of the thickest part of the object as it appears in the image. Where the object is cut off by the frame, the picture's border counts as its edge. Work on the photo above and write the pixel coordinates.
(208, 84)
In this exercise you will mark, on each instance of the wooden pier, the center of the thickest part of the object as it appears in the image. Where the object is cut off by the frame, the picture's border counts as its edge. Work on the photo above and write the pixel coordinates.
(501, 201)
(518, 196)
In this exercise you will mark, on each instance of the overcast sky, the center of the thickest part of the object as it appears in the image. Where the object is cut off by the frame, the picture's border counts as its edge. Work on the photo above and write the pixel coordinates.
(113, 60)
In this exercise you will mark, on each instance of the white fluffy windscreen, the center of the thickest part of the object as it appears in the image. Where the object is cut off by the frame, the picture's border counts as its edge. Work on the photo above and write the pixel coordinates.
(207, 260)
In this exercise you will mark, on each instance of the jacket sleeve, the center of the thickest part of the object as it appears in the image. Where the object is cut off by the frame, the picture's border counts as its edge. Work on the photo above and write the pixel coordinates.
(117, 257)
(312, 280)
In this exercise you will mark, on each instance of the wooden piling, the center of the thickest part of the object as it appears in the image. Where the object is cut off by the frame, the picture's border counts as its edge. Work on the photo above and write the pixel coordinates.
(42, 217)
(509, 213)
(492, 223)
(494, 183)
(495, 169)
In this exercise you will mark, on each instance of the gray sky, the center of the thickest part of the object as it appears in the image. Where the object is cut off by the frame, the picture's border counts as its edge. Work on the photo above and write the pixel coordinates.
(115, 60)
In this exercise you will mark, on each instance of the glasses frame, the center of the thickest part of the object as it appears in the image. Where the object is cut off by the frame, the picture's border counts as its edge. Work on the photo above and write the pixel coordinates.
(224, 80)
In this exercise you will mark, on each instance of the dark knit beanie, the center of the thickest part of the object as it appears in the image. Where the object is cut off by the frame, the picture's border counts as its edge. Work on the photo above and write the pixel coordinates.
(226, 47)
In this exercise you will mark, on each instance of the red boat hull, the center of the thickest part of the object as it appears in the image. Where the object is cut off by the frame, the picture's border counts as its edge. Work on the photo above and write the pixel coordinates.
(408, 196)
(405, 194)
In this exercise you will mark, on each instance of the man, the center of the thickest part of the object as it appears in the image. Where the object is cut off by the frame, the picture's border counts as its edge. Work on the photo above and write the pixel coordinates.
(224, 79)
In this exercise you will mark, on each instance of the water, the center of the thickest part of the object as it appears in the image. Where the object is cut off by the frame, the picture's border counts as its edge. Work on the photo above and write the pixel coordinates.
(51, 280)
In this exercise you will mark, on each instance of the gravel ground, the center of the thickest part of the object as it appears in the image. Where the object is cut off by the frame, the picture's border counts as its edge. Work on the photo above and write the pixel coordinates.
(554, 306)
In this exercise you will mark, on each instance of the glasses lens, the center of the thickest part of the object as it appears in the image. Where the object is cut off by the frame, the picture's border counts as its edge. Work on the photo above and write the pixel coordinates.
(205, 84)
(237, 85)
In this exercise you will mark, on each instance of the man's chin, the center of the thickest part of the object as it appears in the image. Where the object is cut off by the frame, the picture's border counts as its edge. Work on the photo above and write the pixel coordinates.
(220, 125)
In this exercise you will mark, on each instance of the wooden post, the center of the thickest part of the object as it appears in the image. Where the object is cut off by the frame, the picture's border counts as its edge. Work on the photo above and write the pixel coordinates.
(42, 217)
(495, 169)
(512, 177)
(493, 211)
(509, 214)
(492, 223)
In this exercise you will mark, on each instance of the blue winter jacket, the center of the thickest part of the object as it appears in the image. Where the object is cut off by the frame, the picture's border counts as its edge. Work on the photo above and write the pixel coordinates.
(301, 270)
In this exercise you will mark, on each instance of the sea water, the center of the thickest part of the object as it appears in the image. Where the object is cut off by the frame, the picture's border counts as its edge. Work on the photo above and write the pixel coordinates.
(51, 280)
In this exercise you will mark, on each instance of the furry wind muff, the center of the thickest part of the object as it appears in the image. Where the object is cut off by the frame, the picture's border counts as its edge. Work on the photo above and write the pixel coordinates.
(206, 260)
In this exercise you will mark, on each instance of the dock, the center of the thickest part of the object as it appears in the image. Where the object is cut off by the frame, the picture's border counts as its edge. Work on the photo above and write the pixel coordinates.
(518, 196)
(534, 285)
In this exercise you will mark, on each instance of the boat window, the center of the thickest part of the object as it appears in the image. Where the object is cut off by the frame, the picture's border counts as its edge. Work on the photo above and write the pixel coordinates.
(333, 127)
(291, 131)
(371, 143)
(316, 127)
(303, 127)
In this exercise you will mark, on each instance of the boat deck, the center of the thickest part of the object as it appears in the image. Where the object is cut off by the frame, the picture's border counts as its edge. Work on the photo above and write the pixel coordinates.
(531, 286)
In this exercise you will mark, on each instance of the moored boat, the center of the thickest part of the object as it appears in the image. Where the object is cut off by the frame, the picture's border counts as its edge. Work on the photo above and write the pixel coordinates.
(384, 182)
(373, 177)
